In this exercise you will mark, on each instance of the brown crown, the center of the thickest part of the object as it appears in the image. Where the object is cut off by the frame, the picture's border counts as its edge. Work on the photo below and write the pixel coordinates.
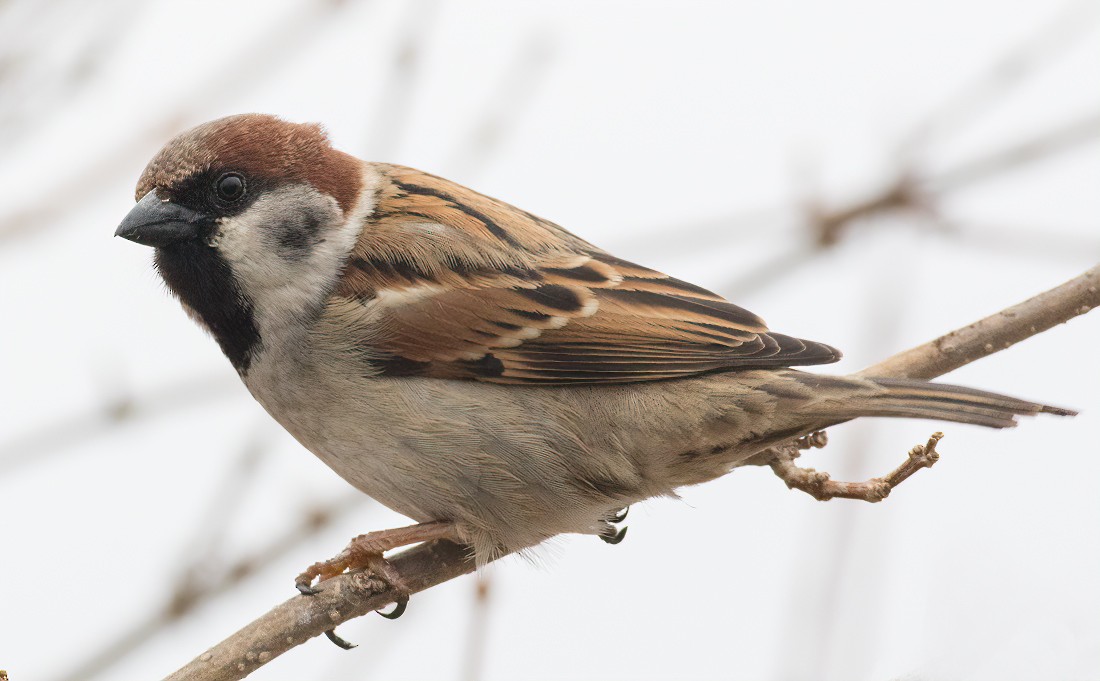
(257, 145)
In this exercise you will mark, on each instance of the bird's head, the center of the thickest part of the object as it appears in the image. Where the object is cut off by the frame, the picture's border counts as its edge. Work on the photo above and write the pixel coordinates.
(250, 217)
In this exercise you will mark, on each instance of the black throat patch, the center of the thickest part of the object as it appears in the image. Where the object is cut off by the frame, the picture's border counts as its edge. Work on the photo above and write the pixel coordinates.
(203, 280)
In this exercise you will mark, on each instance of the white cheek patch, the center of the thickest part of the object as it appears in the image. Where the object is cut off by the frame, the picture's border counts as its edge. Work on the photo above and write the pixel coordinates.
(286, 252)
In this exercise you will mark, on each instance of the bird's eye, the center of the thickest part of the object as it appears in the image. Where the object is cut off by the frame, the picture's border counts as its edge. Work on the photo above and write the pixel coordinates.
(230, 187)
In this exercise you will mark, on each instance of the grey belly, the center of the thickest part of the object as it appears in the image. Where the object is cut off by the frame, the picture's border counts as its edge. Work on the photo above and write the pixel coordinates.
(511, 466)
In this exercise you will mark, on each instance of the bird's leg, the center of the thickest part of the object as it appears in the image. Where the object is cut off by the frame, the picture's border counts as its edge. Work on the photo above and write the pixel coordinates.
(608, 532)
(819, 486)
(365, 552)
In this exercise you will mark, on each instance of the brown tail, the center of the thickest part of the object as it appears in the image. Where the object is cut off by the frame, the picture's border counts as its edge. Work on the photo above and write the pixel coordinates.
(920, 399)
(910, 398)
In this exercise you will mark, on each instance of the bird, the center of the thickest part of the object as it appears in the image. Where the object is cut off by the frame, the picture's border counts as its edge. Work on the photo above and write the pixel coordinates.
(469, 365)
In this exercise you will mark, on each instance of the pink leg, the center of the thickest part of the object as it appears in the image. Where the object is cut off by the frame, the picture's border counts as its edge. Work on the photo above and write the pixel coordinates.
(366, 552)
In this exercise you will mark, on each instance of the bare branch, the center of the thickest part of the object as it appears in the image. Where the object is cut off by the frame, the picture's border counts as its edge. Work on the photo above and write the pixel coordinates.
(996, 332)
(303, 617)
(821, 487)
(353, 595)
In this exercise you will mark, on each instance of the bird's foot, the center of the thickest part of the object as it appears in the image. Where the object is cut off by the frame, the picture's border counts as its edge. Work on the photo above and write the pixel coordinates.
(366, 552)
(609, 532)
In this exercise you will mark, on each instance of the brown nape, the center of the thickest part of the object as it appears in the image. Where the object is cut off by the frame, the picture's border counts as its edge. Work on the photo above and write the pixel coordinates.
(258, 146)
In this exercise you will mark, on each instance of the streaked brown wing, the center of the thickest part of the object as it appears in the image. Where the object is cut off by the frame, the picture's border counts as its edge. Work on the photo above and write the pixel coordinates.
(448, 283)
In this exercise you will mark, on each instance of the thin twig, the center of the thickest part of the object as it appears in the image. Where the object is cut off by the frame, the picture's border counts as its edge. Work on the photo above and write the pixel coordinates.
(996, 332)
(352, 595)
(821, 487)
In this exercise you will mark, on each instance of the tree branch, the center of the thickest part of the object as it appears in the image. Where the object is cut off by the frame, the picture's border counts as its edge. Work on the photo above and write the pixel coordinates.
(996, 332)
(822, 487)
(303, 617)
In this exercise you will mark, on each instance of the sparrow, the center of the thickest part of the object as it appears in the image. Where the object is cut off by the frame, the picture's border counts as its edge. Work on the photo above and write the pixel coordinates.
(470, 365)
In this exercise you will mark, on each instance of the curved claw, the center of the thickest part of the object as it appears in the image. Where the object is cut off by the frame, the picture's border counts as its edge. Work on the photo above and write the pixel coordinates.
(614, 538)
(619, 517)
(397, 611)
(340, 643)
(305, 589)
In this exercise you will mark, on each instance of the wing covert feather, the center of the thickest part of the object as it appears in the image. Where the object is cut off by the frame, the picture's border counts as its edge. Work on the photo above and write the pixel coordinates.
(448, 283)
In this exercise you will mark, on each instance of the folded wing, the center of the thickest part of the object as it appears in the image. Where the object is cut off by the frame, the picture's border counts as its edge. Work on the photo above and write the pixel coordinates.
(448, 283)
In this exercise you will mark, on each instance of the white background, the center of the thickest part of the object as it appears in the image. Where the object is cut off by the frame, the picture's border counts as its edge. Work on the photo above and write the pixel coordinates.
(681, 135)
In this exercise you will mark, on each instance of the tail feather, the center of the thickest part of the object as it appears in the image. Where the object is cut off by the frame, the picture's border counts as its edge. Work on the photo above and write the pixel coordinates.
(839, 398)
(920, 399)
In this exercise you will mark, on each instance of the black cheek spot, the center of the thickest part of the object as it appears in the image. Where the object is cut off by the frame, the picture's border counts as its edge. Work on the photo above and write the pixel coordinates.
(297, 235)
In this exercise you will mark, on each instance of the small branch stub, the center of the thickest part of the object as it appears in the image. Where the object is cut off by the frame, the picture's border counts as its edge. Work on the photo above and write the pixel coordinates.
(818, 484)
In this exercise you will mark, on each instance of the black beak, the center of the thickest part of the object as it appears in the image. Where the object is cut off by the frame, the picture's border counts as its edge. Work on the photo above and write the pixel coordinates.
(160, 223)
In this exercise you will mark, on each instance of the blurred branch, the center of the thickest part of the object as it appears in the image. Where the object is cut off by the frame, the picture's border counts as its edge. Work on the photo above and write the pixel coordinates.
(38, 83)
(912, 191)
(745, 226)
(39, 444)
(1004, 75)
(191, 593)
(352, 595)
(477, 633)
(767, 270)
(393, 106)
(808, 622)
(503, 107)
(1058, 140)
(1060, 246)
(909, 193)
(260, 58)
